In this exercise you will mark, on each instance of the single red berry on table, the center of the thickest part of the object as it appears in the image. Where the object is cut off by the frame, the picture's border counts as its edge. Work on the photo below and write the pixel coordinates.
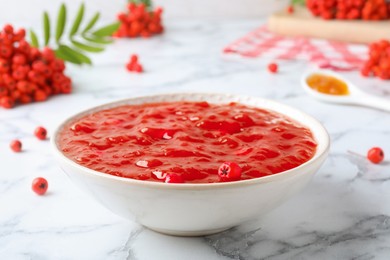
(16, 146)
(39, 185)
(375, 155)
(40, 132)
(273, 67)
(229, 171)
(173, 178)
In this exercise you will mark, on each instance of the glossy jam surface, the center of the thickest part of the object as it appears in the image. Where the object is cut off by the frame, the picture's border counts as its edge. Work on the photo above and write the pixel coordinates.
(327, 85)
(191, 139)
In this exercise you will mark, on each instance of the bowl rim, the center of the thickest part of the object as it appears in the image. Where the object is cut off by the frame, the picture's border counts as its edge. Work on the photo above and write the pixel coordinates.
(319, 155)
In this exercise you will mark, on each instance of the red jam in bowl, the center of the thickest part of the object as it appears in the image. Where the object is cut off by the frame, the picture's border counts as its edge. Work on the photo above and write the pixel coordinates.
(187, 141)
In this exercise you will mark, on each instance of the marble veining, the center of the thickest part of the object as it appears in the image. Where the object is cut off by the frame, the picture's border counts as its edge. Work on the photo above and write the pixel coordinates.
(343, 214)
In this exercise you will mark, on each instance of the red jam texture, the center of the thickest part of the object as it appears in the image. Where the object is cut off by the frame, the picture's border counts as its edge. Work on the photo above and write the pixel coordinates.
(187, 139)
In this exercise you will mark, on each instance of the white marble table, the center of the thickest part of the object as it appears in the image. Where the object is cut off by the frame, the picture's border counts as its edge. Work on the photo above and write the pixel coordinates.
(343, 214)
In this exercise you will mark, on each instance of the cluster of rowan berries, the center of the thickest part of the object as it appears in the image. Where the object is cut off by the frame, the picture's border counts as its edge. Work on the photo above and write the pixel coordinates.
(350, 9)
(139, 21)
(26, 73)
(133, 65)
(378, 63)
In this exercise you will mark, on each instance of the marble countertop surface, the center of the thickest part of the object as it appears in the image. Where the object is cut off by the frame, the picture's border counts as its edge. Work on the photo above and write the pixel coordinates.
(343, 214)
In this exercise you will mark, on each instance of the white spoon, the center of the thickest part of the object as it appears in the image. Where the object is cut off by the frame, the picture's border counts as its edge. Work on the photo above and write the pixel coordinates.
(354, 97)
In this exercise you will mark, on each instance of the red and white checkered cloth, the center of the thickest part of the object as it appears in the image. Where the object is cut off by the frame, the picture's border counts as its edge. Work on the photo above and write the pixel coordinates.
(326, 54)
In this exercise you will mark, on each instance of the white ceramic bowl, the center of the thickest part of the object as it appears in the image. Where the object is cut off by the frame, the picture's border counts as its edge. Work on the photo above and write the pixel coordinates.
(196, 209)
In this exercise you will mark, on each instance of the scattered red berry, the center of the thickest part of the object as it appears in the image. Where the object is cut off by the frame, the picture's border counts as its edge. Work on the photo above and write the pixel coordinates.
(39, 185)
(26, 73)
(139, 22)
(273, 68)
(16, 146)
(174, 178)
(229, 171)
(375, 155)
(40, 133)
(133, 65)
(290, 9)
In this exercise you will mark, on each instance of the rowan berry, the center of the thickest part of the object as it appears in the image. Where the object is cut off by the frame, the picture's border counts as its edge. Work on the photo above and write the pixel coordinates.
(3, 91)
(4, 66)
(19, 59)
(133, 58)
(40, 132)
(23, 47)
(66, 86)
(19, 73)
(229, 171)
(48, 54)
(375, 155)
(40, 185)
(8, 29)
(6, 102)
(34, 54)
(19, 35)
(15, 95)
(9, 81)
(5, 51)
(138, 68)
(57, 65)
(25, 99)
(40, 95)
(16, 146)
(273, 68)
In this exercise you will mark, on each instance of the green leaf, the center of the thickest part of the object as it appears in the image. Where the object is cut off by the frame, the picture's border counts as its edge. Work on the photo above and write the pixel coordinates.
(85, 47)
(61, 20)
(63, 55)
(97, 40)
(298, 2)
(72, 55)
(46, 27)
(92, 22)
(147, 3)
(77, 21)
(34, 39)
(107, 30)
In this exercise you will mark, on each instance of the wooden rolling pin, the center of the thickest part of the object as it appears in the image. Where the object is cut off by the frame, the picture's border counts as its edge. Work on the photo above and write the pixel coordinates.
(302, 23)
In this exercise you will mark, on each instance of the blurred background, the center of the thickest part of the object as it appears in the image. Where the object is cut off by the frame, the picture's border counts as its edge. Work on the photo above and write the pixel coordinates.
(20, 10)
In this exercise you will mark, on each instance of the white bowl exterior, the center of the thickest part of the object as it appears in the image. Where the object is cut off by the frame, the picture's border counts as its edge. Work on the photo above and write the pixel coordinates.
(197, 209)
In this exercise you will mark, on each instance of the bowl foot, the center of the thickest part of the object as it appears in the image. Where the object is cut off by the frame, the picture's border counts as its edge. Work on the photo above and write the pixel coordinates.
(188, 233)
